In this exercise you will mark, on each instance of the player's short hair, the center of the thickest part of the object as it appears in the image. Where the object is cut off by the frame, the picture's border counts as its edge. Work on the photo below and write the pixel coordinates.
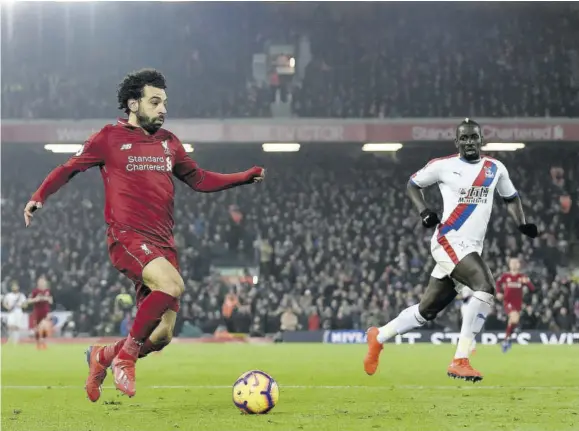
(133, 84)
(469, 122)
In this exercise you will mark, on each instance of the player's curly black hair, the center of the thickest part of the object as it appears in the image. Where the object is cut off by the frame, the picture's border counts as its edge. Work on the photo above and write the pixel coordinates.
(132, 86)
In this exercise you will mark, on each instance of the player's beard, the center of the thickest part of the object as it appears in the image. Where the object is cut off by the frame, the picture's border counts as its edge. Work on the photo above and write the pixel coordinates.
(473, 153)
(151, 125)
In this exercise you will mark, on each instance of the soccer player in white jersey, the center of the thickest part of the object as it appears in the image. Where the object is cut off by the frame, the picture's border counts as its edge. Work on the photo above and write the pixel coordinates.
(13, 303)
(467, 182)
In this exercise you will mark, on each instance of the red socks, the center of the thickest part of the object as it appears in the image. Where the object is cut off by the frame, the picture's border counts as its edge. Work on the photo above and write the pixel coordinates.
(148, 316)
(107, 354)
(138, 344)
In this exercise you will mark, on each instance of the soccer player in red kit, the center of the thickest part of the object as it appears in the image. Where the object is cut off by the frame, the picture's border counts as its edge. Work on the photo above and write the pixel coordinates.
(41, 298)
(510, 290)
(137, 160)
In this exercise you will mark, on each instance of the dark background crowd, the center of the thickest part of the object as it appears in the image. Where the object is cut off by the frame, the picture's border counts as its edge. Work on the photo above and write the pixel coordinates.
(356, 59)
(335, 240)
(329, 240)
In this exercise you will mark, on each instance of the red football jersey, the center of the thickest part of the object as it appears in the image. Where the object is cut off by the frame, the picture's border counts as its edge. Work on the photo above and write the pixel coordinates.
(511, 286)
(137, 170)
(42, 307)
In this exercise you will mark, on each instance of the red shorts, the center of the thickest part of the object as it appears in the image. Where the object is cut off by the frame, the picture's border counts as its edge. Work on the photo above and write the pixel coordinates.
(38, 316)
(513, 306)
(130, 252)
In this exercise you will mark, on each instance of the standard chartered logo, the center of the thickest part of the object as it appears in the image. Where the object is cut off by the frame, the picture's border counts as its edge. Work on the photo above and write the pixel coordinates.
(149, 163)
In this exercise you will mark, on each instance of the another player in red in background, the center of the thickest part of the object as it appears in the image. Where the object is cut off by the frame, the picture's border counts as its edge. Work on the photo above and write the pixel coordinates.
(510, 290)
(138, 160)
(41, 299)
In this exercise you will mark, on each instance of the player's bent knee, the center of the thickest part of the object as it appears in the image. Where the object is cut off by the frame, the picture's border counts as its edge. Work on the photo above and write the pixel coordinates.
(179, 287)
(159, 274)
(174, 287)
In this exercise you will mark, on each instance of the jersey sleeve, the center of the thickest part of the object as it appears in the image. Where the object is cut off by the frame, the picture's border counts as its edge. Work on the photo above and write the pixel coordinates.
(200, 180)
(90, 154)
(185, 168)
(499, 284)
(428, 175)
(529, 283)
(505, 186)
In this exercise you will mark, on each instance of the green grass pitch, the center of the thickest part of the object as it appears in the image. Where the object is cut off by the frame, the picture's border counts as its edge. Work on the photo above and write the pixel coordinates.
(323, 387)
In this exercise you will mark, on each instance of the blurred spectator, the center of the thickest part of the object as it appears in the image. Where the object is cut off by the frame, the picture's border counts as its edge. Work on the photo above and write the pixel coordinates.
(344, 246)
(289, 320)
(362, 59)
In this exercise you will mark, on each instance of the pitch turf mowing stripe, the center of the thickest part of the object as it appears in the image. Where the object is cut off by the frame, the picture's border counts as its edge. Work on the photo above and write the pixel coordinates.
(408, 387)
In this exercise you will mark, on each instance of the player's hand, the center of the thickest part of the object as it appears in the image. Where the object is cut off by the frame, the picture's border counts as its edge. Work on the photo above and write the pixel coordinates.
(29, 209)
(256, 174)
(429, 218)
(529, 229)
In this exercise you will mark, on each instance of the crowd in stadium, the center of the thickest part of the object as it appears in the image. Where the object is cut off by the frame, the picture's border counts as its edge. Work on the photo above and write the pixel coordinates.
(371, 60)
(336, 248)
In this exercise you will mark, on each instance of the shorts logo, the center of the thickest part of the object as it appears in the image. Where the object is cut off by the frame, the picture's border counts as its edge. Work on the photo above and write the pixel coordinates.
(146, 249)
(126, 147)
(473, 195)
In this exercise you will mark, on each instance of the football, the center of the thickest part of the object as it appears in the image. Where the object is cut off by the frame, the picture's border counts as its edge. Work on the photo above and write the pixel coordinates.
(255, 392)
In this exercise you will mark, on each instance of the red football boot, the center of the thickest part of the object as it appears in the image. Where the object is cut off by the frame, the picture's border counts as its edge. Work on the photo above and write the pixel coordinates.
(96, 374)
(124, 373)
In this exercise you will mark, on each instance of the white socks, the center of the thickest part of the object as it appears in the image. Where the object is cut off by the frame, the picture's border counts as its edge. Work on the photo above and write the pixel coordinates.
(475, 314)
(472, 347)
(408, 319)
(14, 335)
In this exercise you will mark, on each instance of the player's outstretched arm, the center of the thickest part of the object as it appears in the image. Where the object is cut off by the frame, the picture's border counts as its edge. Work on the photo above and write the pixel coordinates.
(89, 155)
(210, 182)
(200, 180)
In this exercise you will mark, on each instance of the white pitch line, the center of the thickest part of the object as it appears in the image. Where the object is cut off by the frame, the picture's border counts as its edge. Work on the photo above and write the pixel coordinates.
(409, 387)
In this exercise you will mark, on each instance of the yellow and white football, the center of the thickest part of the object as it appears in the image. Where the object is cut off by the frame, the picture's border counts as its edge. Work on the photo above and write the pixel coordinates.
(255, 392)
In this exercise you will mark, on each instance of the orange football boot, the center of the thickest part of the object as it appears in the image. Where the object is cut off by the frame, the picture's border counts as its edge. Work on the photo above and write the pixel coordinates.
(461, 369)
(96, 374)
(372, 358)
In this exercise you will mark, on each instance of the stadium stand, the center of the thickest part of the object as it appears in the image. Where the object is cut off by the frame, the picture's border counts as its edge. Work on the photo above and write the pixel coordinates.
(510, 65)
(335, 239)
